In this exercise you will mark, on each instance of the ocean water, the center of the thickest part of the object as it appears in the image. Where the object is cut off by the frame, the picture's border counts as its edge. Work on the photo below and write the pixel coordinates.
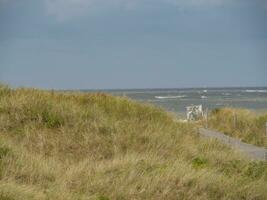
(176, 100)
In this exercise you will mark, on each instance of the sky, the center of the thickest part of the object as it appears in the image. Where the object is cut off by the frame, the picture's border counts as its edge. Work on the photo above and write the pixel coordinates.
(109, 44)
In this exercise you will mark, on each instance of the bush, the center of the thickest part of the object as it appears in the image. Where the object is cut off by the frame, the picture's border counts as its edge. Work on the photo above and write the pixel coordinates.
(5, 197)
(256, 170)
(102, 198)
(3, 152)
(199, 162)
(52, 119)
(4, 90)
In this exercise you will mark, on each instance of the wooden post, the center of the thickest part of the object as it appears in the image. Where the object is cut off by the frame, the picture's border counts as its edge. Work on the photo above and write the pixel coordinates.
(235, 120)
(207, 117)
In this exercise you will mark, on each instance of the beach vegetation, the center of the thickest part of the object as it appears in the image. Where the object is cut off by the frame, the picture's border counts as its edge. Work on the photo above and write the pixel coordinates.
(248, 126)
(94, 146)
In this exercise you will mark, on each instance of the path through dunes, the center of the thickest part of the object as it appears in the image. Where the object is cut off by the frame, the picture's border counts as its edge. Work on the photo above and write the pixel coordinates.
(254, 152)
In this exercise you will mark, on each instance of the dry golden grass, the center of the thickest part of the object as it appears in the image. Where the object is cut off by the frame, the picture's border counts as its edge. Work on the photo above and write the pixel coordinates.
(240, 123)
(78, 146)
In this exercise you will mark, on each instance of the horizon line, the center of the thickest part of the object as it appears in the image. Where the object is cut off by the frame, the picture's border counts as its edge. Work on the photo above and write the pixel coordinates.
(165, 88)
(133, 88)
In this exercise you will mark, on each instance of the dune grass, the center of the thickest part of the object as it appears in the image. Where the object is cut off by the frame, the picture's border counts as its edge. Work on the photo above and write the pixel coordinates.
(240, 123)
(95, 146)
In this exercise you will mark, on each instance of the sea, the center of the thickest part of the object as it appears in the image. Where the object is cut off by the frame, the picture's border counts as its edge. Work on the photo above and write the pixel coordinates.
(176, 100)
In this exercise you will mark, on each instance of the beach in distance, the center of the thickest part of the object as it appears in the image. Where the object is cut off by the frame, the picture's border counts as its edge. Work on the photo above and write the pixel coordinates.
(176, 100)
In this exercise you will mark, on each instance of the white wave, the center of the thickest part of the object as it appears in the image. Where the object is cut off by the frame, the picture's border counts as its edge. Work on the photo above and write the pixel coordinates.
(256, 91)
(170, 97)
(226, 94)
(204, 97)
(205, 91)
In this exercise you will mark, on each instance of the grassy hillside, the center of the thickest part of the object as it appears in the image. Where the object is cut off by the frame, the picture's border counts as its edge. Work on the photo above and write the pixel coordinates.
(66, 146)
(242, 124)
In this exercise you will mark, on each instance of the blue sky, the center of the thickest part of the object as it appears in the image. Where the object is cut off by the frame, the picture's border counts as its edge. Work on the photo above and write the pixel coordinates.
(96, 44)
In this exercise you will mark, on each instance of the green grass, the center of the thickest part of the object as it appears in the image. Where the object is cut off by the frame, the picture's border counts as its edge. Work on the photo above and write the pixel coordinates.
(95, 146)
(240, 123)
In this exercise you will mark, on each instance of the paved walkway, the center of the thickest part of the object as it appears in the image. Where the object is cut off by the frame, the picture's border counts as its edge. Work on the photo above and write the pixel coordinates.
(254, 152)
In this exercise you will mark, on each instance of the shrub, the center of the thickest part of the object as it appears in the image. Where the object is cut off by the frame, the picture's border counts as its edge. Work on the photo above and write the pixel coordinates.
(5, 197)
(199, 162)
(3, 152)
(255, 170)
(52, 119)
(4, 90)
(102, 198)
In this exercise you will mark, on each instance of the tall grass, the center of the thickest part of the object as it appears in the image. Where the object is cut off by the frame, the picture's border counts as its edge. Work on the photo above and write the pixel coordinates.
(95, 146)
(240, 123)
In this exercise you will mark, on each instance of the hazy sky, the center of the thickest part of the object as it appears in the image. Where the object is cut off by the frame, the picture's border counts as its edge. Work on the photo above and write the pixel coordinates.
(94, 44)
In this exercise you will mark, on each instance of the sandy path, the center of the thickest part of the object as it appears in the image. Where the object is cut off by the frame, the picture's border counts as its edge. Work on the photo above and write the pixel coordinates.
(254, 152)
